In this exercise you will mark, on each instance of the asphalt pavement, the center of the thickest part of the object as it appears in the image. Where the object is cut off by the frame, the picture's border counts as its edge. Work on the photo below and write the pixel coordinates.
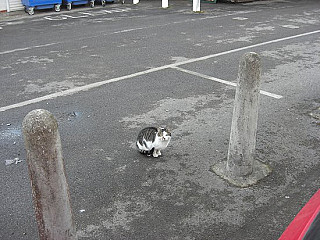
(107, 72)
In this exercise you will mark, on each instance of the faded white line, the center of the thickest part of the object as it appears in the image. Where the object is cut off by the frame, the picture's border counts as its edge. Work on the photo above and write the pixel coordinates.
(64, 17)
(129, 30)
(98, 84)
(276, 96)
(78, 89)
(206, 76)
(248, 47)
(28, 48)
(56, 43)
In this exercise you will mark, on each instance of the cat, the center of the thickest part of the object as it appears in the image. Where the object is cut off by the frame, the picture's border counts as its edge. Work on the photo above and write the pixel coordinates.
(152, 140)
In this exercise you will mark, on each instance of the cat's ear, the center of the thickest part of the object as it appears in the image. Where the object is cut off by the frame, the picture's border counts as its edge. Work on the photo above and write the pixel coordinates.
(168, 130)
(160, 133)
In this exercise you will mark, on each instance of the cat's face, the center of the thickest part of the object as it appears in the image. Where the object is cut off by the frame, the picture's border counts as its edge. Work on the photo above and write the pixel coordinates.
(164, 134)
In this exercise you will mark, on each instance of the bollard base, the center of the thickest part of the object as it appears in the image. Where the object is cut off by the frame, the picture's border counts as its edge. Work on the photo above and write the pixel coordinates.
(260, 171)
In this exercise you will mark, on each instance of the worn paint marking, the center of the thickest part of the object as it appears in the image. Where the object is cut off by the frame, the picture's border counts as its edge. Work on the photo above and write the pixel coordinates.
(98, 84)
(86, 14)
(28, 48)
(224, 82)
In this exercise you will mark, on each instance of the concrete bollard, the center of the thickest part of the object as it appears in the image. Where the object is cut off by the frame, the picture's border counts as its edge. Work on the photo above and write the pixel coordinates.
(50, 190)
(165, 3)
(196, 5)
(245, 117)
(241, 168)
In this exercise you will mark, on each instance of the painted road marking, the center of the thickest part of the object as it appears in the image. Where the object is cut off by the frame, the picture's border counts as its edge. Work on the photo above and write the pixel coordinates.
(240, 18)
(86, 14)
(123, 31)
(28, 48)
(98, 84)
(160, 25)
(276, 96)
(206, 76)
(248, 47)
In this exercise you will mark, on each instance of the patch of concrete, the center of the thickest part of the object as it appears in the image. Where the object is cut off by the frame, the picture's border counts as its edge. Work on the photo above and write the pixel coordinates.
(260, 28)
(306, 19)
(124, 212)
(90, 231)
(179, 59)
(290, 26)
(234, 40)
(172, 110)
(294, 59)
(53, 86)
(34, 59)
(260, 171)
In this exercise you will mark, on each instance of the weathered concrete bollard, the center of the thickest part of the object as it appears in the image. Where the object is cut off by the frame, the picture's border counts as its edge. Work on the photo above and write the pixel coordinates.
(245, 117)
(241, 168)
(50, 190)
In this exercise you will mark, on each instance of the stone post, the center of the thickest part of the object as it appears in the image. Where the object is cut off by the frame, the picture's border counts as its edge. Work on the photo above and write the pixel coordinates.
(245, 117)
(241, 168)
(50, 191)
(165, 3)
(196, 5)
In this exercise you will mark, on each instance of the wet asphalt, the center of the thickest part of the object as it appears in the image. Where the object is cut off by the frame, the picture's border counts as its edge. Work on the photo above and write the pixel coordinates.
(139, 54)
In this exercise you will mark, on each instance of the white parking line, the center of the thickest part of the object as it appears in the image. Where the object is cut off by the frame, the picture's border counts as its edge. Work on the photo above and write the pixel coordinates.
(77, 15)
(249, 47)
(28, 48)
(98, 84)
(224, 81)
(206, 76)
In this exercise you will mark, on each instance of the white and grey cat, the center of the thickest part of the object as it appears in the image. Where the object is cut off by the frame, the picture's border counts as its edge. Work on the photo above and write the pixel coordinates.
(152, 140)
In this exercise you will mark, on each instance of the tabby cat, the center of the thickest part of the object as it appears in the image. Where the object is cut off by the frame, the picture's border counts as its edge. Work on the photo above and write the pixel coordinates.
(152, 140)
